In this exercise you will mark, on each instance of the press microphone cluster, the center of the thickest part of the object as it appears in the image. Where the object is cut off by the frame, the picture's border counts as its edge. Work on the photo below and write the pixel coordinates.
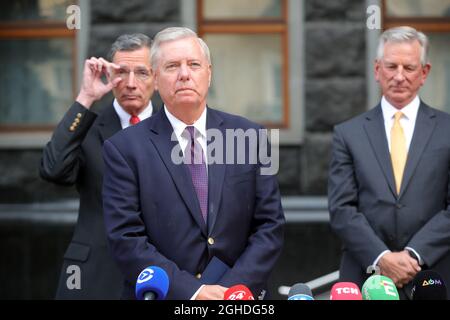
(427, 285)
(152, 284)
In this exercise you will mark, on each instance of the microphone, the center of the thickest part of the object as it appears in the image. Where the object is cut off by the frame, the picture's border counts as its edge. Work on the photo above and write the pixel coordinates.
(300, 291)
(238, 292)
(428, 285)
(152, 284)
(379, 287)
(345, 291)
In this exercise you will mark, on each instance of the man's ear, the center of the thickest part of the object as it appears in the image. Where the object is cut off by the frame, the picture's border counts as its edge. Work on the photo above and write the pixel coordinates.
(376, 69)
(210, 75)
(425, 72)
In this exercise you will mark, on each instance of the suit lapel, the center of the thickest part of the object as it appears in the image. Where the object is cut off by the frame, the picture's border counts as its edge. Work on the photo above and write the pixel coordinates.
(109, 123)
(216, 171)
(160, 134)
(375, 131)
(425, 124)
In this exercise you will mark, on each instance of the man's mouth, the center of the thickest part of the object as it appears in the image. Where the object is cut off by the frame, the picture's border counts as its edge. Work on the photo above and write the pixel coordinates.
(184, 89)
(130, 97)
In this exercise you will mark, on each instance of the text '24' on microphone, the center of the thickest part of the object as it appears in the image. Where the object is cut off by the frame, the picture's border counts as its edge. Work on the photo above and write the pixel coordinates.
(152, 284)
(300, 291)
(379, 287)
(428, 285)
(345, 291)
(238, 292)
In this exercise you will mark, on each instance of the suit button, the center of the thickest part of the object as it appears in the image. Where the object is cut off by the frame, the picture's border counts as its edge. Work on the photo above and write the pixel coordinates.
(79, 115)
(77, 120)
(210, 241)
(398, 205)
(198, 275)
(72, 128)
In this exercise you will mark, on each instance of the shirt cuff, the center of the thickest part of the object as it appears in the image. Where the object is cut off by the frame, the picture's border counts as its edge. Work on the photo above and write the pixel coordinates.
(375, 263)
(421, 263)
(197, 292)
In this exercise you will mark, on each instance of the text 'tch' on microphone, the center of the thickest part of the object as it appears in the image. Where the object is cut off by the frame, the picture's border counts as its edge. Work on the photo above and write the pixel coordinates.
(345, 291)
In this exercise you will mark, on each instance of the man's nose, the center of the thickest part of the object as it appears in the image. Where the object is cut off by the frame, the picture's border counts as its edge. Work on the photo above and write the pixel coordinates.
(131, 83)
(184, 72)
(399, 74)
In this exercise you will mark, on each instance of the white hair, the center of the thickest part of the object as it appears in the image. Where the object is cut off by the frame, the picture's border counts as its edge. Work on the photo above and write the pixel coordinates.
(404, 34)
(174, 33)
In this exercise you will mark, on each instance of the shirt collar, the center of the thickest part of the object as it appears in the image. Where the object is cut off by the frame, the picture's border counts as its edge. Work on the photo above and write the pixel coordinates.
(125, 116)
(409, 111)
(179, 126)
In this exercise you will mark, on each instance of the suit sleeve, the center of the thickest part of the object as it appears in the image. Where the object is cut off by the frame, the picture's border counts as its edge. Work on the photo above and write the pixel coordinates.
(432, 241)
(61, 157)
(265, 240)
(126, 230)
(346, 221)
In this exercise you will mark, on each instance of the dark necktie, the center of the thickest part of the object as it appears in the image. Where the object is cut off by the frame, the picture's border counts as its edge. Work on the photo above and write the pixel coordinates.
(134, 119)
(195, 160)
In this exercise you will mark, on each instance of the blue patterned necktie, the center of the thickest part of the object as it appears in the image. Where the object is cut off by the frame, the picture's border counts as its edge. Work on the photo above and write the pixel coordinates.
(195, 160)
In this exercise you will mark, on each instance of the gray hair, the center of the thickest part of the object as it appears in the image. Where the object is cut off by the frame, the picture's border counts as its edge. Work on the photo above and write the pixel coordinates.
(129, 42)
(404, 34)
(174, 33)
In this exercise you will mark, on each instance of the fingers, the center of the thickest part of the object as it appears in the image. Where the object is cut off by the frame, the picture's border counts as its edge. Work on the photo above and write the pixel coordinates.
(100, 65)
(113, 83)
(211, 292)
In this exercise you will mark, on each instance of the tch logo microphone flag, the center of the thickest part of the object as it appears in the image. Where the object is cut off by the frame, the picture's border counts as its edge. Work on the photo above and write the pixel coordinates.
(345, 291)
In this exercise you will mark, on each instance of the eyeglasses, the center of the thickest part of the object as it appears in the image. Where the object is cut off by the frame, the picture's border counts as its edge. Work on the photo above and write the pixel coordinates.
(141, 74)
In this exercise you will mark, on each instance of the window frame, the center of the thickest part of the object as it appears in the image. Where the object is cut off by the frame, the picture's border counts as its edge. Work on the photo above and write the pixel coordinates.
(278, 26)
(425, 24)
(35, 137)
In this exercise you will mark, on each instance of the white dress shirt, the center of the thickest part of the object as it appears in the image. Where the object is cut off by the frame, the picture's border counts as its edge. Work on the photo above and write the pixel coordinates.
(407, 121)
(200, 131)
(125, 116)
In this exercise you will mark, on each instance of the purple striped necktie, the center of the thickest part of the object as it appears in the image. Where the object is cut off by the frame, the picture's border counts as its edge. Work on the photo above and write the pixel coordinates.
(195, 160)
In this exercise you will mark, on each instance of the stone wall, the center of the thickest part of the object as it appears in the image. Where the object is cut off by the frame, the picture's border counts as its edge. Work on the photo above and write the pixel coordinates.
(335, 60)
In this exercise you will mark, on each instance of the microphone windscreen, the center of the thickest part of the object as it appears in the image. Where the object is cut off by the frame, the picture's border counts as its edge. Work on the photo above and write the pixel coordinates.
(345, 291)
(238, 292)
(379, 287)
(428, 285)
(152, 279)
(300, 291)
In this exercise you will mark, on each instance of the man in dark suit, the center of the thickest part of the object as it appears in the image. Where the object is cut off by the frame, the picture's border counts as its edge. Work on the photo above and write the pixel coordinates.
(389, 191)
(74, 156)
(179, 216)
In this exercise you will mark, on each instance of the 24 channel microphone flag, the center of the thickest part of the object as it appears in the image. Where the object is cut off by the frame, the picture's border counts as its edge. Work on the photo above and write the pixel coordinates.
(238, 292)
(378, 287)
(152, 284)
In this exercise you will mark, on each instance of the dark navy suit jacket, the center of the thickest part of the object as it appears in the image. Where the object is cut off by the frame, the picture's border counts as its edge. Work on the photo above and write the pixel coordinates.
(153, 217)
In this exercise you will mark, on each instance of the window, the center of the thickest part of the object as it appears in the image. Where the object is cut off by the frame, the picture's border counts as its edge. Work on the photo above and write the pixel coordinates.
(249, 43)
(433, 18)
(37, 59)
